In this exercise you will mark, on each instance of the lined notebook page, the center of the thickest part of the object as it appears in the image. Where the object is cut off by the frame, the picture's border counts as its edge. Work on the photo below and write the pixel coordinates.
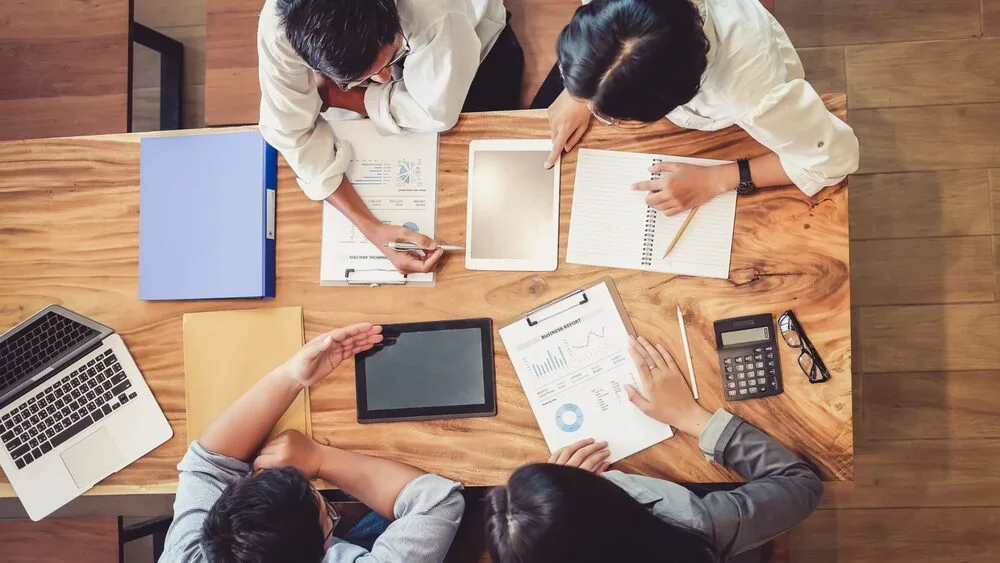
(608, 224)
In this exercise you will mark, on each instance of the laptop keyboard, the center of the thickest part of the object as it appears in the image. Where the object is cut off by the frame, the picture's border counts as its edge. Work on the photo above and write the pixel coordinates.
(38, 344)
(77, 401)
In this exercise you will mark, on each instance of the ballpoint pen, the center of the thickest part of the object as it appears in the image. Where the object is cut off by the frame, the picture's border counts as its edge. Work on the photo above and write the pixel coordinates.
(410, 247)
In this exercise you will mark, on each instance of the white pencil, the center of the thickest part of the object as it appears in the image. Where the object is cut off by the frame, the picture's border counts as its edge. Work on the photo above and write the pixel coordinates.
(687, 353)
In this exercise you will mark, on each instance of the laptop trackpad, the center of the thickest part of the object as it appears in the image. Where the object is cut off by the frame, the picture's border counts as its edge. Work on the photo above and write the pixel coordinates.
(93, 458)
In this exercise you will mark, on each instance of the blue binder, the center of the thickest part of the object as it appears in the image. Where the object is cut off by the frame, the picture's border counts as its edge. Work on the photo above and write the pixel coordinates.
(206, 217)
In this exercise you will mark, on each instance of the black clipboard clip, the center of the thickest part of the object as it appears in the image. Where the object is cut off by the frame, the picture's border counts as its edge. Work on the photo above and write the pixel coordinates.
(372, 282)
(576, 299)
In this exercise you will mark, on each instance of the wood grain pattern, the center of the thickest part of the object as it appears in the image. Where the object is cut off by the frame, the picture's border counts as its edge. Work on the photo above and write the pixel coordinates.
(537, 26)
(825, 68)
(847, 22)
(920, 204)
(931, 338)
(84, 540)
(966, 71)
(82, 252)
(61, 59)
(995, 199)
(921, 473)
(991, 18)
(927, 535)
(928, 270)
(898, 139)
(932, 405)
(232, 90)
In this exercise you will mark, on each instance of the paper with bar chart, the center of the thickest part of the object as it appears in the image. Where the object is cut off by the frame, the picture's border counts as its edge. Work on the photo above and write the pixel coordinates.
(572, 361)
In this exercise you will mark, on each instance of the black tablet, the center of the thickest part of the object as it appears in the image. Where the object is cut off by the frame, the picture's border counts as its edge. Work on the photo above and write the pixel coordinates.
(428, 370)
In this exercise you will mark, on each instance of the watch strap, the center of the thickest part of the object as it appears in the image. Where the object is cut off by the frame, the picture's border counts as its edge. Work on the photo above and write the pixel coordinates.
(746, 186)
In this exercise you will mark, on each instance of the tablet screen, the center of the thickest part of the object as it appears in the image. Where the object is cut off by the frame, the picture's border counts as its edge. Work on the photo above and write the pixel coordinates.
(428, 370)
(511, 205)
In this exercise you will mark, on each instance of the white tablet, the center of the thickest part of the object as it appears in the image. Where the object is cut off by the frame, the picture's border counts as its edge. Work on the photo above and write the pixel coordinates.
(513, 213)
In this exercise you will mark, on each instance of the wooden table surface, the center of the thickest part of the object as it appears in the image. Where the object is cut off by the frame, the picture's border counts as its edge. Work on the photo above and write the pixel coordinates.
(69, 234)
(65, 67)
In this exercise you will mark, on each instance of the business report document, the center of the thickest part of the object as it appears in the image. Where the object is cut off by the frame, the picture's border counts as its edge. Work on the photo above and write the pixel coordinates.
(611, 225)
(573, 364)
(396, 177)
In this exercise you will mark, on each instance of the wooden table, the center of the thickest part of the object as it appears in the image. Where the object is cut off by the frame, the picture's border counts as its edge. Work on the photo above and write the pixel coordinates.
(69, 234)
(65, 67)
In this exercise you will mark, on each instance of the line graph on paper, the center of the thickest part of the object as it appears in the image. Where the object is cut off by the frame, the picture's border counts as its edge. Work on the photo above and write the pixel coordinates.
(591, 335)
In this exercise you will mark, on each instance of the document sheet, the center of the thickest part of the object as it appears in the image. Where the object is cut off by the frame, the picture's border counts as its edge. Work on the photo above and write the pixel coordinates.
(397, 179)
(572, 360)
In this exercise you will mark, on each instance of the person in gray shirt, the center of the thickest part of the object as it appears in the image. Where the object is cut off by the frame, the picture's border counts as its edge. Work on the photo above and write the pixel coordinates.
(238, 502)
(563, 511)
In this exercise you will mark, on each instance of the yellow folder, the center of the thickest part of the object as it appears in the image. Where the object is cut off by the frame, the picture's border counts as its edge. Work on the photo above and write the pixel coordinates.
(227, 352)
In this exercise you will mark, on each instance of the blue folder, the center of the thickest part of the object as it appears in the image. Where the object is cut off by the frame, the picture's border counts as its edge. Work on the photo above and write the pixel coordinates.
(206, 217)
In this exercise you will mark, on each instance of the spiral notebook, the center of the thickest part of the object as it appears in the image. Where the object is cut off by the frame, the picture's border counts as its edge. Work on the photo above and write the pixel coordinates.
(611, 225)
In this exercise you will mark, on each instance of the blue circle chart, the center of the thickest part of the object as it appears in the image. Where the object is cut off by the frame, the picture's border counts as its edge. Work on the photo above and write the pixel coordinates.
(571, 412)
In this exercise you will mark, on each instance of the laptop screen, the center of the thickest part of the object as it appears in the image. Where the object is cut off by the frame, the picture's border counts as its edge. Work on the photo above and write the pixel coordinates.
(36, 345)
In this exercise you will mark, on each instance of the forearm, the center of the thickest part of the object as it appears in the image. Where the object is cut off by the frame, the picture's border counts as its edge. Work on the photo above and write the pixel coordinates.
(766, 171)
(347, 201)
(241, 429)
(374, 481)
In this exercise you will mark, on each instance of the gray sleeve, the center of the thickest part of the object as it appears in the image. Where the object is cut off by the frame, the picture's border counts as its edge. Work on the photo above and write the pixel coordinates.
(782, 491)
(203, 477)
(427, 514)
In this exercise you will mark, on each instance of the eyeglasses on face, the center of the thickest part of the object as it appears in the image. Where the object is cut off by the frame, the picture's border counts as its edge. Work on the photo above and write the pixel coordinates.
(401, 54)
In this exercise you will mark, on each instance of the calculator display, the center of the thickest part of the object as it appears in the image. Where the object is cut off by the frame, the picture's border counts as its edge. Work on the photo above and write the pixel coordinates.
(744, 336)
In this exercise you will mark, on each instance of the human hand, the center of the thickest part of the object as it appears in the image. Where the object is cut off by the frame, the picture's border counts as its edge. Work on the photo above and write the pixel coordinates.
(323, 354)
(407, 262)
(569, 119)
(686, 186)
(586, 454)
(291, 449)
(668, 398)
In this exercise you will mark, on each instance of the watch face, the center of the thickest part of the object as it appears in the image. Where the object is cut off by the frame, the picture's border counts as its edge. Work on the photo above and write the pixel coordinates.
(746, 188)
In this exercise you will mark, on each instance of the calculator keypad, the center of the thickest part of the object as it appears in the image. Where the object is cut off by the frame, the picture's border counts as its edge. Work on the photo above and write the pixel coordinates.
(750, 373)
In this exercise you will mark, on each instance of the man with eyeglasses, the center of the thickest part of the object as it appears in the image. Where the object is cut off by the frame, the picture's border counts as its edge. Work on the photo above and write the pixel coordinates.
(237, 501)
(408, 65)
(702, 64)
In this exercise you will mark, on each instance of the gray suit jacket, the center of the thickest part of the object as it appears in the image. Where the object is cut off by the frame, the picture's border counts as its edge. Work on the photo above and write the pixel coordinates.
(782, 491)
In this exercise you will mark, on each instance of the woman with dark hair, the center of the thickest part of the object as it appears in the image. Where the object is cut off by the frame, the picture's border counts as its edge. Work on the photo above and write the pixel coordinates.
(572, 511)
(703, 64)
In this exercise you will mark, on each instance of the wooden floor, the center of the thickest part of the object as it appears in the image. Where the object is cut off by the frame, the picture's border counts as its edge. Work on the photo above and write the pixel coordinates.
(923, 78)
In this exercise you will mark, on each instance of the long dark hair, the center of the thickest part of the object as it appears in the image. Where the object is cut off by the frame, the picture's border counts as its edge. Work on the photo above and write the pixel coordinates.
(556, 514)
(634, 59)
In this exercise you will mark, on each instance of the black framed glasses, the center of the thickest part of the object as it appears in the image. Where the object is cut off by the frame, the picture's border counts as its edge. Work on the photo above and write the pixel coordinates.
(401, 54)
(331, 514)
(809, 361)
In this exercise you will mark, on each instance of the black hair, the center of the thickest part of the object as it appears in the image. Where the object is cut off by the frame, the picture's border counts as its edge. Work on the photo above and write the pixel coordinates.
(339, 38)
(268, 517)
(557, 514)
(634, 59)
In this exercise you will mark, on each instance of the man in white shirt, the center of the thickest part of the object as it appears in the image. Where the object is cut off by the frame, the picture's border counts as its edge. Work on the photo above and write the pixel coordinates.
(707, 65)
(409, 65)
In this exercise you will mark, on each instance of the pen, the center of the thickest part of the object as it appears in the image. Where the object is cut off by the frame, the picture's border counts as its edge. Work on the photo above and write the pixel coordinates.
(410, 247)
(680, 231)
(687, 353)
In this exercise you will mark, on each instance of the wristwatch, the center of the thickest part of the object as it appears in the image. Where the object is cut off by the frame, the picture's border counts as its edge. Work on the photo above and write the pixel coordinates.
(746, 185)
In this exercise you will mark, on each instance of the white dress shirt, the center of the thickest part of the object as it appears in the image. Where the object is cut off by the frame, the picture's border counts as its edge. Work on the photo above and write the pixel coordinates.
(448, 40)
(755, 80)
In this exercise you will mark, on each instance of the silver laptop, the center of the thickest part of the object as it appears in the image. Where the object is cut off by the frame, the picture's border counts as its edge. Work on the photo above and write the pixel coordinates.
(73, 408)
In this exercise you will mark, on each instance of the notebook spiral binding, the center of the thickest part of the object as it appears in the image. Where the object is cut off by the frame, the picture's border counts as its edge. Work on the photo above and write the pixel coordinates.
(649, 230)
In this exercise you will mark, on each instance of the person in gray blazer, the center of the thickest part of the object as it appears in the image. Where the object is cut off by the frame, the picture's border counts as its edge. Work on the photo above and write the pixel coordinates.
(572, 509)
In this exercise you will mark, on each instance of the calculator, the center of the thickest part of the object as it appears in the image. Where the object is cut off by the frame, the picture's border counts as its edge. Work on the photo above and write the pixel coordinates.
(748, 357)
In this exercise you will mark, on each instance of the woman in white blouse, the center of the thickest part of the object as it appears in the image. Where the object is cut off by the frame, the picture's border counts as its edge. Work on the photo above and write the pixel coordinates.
(707, 65)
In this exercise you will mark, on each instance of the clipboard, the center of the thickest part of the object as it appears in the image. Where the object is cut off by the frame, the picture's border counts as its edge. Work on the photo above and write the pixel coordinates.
(572, 300)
